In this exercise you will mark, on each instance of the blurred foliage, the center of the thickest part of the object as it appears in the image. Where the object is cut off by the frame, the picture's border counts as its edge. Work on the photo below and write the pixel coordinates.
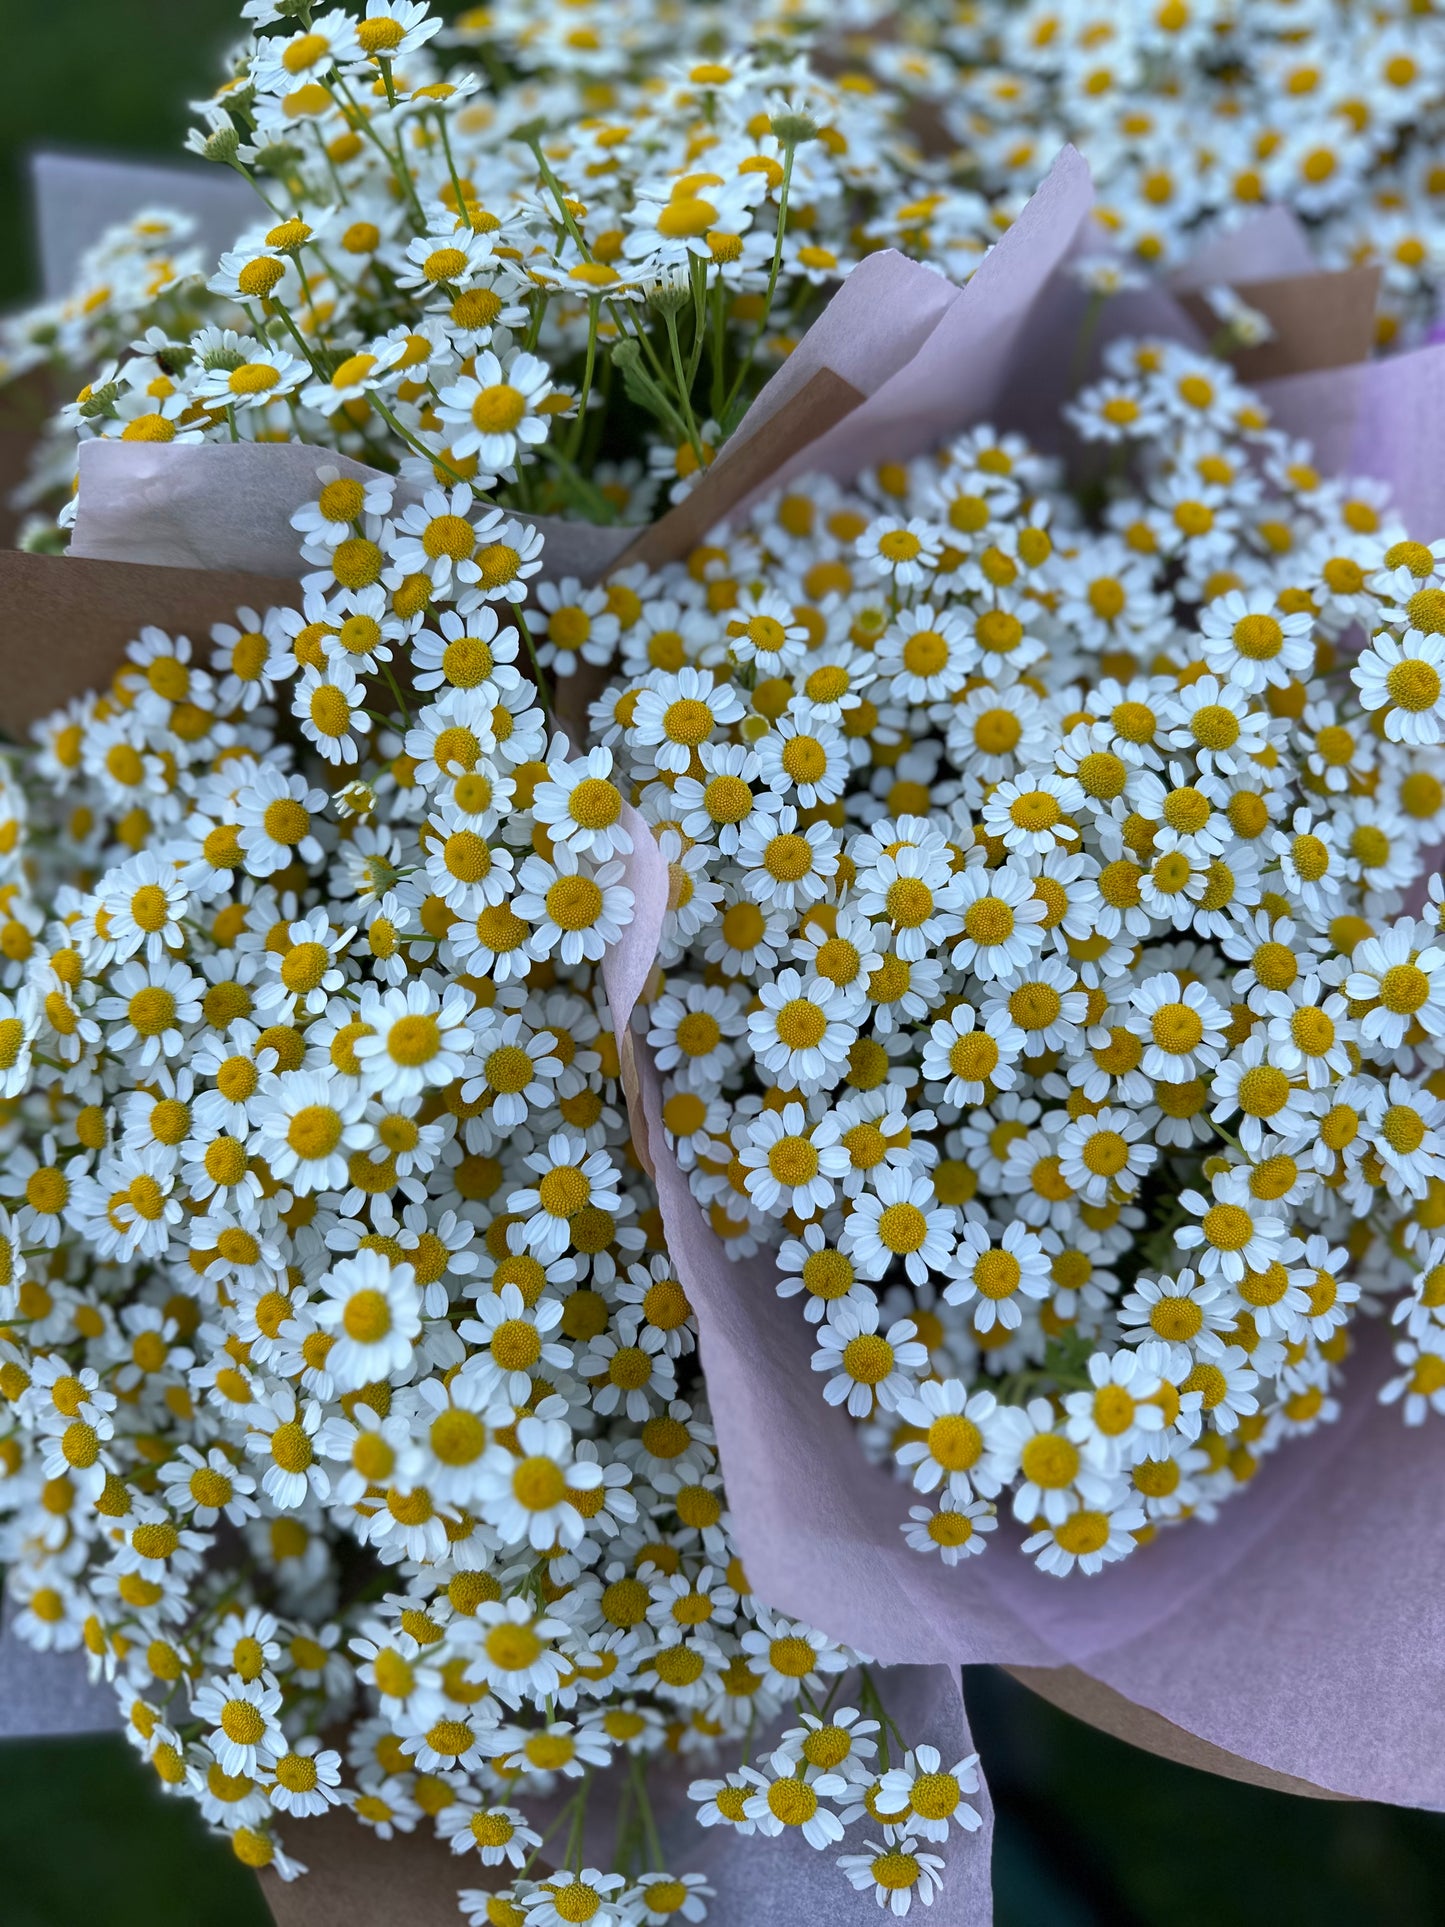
(1090, 1832)
(86, 1836)
(1094, 1833)
(116, 74)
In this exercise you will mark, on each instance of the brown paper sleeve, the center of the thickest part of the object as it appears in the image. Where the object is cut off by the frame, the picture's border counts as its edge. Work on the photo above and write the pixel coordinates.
(356, 1879)
(1324, 320)
(65, 623)
(823, 400)
(1101, 1706)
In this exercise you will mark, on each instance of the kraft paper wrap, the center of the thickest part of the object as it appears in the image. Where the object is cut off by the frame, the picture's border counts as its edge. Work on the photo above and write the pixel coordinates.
(1320, 1667)
(66, 623)
(1320, 321)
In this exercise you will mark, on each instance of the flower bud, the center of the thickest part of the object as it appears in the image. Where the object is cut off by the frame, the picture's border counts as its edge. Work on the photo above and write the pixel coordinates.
(222, 144)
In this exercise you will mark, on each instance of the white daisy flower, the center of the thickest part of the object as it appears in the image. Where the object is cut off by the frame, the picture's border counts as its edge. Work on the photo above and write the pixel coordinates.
(954, 1452)
(511, 1343)
(307, 1124)
(241, 1716)
(284, 1438)
(1251, 643)
(527, 1497)
(676, 714)
(1405, 679)
(1002, 922)
(275, 813)
(582, 806)
(576, 911)
(496, 408)
(870, 1369)
(570, 1179)
(932, 1793)
(373, 1310)
(1182, 1027)
(897, 1873)
(802, 1032)
(955, 1531)
(1403, 985)
(784, 865)
(303, 1779)
(997, 1275)
(1055, 1475)
(1120, 1416)
(790, 1163)
(900, 1219)
(1089, 1537)
(1232, 1233)
(412, 1038)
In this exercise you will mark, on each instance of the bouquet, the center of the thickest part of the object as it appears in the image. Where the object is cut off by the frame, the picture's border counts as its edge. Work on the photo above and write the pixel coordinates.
(1018, 853)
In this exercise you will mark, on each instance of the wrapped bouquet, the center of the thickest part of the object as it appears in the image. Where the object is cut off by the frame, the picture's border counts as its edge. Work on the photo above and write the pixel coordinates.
(726, 1015)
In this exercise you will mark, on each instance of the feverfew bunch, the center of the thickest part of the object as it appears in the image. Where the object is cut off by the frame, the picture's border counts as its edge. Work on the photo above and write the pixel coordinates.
(591, 235)
(346, 1387)
(1051, 990)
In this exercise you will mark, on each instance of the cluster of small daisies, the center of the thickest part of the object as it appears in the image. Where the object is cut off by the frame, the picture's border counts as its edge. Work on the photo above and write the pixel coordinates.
(1050, 983)
(591, 231)
(346, 1388)
(1193, 114)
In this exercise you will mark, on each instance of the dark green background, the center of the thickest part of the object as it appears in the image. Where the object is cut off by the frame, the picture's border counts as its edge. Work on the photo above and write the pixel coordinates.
(1090, 1833)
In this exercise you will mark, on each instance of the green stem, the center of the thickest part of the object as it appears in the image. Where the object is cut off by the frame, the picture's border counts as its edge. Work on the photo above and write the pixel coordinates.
(417, 447)
(451, 164)
(250, 179)
(296, 335)
(573, 1856)
(670, 321)
(697, 268)
(596, 503)
(719, 350)
(361, 122)
(637, 1769)
(1083, 347)
(762, 326)
(543, 687)
(395, 688)
(565, 215)
(562, 1817)
(544, 167)
(331, 169)
(574, 447)
(534, 324)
